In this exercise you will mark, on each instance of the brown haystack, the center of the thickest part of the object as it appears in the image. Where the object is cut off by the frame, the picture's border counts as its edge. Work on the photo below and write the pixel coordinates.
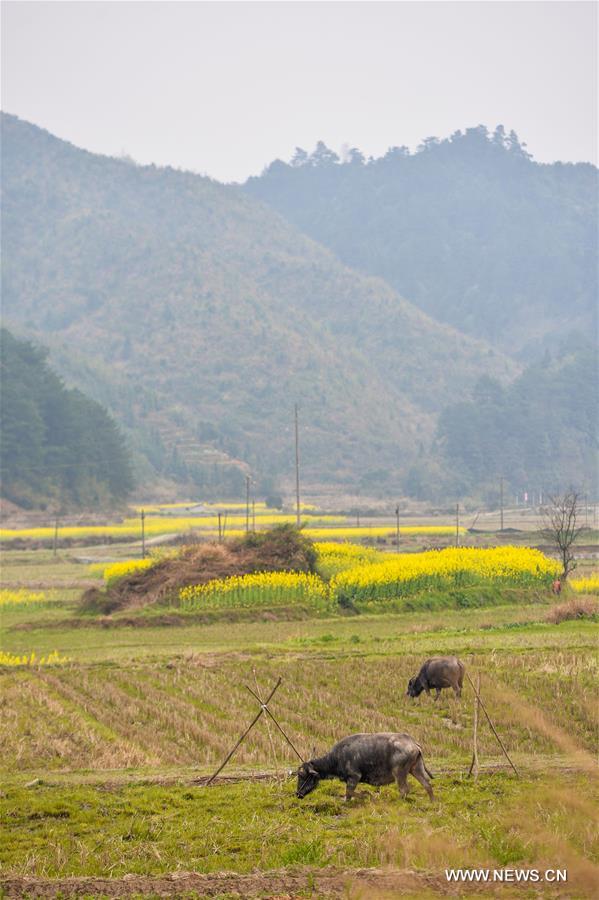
(282, 549)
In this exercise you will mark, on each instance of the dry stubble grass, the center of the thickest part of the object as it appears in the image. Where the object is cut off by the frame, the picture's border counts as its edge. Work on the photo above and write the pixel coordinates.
(188, 712)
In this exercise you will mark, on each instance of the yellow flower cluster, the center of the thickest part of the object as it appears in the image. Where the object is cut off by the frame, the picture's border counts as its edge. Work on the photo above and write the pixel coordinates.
(114, 571)
(588, 585)
(334, 558)
(156, 525)
(346, 551)
(257, 589)
(348, 532)
(407, 573)
(22, 598)
(30, 659)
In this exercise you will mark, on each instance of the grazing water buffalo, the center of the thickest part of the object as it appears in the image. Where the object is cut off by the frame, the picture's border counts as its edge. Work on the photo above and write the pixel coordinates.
(368, 758)
(438, 672)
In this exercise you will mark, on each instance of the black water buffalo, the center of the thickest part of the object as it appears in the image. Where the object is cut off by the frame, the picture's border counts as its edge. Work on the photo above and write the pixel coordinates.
(368, 758)
(438, 672)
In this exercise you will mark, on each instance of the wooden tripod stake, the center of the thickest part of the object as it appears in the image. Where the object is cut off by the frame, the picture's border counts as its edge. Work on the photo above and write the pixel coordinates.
(479, 703)
(474, 763)
(263, 709)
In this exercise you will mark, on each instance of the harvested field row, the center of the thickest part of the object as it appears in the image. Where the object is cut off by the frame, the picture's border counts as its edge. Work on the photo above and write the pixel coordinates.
(190, 712)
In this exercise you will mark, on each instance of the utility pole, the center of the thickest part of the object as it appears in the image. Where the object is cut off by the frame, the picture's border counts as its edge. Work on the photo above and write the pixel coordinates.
(397, 524)
(586, 510)
(247, 503)
(143, 534)
(457, 524)
(297, 472)
(501, 504)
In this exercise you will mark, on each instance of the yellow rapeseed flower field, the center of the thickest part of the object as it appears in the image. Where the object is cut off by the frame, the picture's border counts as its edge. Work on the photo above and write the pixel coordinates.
(30, 659)
(351, 573)
(257, 589)
(117, 570)
(336, 557)
(348, 532)
(23, 598)
(158, 525)
(588, 585)
(409, 573)
(346, 551)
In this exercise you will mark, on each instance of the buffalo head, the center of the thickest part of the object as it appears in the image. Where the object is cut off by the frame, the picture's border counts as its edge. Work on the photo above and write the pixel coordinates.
(307, 779)
(415, 688)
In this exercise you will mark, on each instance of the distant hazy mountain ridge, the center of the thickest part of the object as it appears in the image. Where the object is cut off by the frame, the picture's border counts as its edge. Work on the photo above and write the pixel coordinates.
(199, 316)
(470, 229)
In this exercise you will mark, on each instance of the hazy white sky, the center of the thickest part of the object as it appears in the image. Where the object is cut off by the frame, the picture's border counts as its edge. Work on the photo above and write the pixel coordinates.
(223, 88)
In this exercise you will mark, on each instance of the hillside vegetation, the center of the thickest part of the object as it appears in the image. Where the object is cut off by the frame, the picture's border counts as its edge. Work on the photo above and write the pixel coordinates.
(470, 229)
(198, 316)
(57, 447)
(538, 432)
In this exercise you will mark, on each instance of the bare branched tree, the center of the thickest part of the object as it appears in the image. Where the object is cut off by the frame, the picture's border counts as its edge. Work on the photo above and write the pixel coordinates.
(560, 520)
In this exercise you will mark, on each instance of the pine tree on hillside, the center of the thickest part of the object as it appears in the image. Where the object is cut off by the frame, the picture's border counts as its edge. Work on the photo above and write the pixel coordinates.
(56, 445)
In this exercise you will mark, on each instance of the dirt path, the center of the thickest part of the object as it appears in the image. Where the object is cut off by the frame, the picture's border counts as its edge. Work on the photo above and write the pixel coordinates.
(352, 884)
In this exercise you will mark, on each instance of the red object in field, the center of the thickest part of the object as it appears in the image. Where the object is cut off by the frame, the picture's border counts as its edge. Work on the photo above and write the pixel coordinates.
(556, 586)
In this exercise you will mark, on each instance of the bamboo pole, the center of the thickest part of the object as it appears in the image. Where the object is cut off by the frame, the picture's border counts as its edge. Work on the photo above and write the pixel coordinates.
(270, 738)
(474, 763)
(488, 718)
(245, 733)
(268, 712)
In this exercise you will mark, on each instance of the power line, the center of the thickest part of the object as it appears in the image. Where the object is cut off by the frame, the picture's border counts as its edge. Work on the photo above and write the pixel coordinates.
(297, 472)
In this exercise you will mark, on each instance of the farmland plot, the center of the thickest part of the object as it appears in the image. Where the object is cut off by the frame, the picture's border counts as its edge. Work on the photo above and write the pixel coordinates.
(103, 755)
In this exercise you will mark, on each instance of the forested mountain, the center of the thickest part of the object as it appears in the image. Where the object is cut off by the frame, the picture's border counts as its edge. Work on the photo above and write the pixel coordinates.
(57, 447)
(538, 433)
(199, 316)
(470, 229)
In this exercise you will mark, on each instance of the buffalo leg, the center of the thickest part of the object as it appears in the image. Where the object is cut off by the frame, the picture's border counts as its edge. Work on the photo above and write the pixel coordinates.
(419, 773)
(438, 694)
(400, 771)
(401, 778)
(351, 785)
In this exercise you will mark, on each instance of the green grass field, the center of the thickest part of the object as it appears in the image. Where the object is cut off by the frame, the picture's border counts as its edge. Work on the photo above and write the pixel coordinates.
(100, 757)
